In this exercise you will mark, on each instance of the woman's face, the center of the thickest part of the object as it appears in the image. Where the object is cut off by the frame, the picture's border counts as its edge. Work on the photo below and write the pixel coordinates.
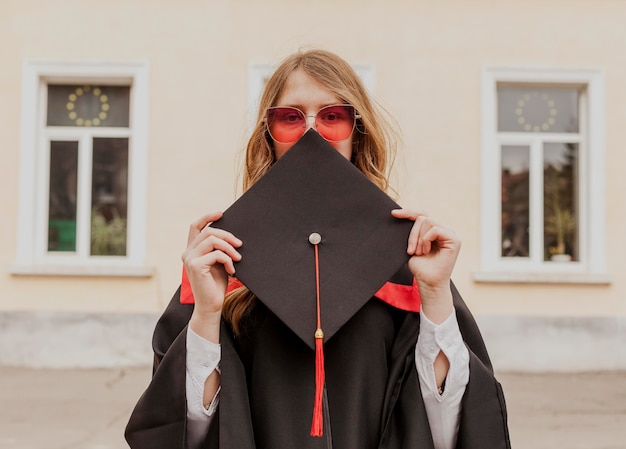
(303, 92)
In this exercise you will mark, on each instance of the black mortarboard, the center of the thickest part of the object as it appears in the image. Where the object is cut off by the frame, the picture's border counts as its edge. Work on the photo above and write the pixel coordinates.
(318, 241)
(314, 189)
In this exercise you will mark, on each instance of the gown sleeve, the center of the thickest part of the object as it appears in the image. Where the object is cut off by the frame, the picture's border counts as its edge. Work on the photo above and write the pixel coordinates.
(158, 420)
(483, 415)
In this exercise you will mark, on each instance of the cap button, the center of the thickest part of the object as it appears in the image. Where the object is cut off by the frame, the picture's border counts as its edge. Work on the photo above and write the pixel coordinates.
(315, 238)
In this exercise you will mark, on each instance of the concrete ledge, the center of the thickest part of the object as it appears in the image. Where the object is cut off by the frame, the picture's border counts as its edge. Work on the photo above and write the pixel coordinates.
(555, 344)
(75, 340)
(99, 340)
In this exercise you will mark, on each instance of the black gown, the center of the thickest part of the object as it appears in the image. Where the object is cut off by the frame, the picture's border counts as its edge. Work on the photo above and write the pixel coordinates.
(372, 395)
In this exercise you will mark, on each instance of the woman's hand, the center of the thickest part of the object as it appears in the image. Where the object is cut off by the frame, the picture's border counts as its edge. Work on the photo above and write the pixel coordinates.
(434, 250)
(208, 260)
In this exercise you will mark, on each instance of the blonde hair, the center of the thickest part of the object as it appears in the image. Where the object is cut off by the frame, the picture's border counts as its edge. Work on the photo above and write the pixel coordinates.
(374, 139)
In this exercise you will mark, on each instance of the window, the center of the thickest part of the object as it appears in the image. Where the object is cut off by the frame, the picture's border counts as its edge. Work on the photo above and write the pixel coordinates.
(83, 170)
(542, 181)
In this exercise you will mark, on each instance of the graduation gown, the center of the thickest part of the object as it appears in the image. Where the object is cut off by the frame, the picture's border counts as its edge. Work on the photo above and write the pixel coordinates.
(372, 395)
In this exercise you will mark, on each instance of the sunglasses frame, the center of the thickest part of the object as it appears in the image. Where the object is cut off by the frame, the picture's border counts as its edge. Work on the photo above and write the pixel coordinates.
(356, 116)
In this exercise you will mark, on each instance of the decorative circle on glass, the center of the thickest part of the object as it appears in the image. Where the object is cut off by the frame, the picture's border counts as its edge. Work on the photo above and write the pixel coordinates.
(87, 106)
(540, 107)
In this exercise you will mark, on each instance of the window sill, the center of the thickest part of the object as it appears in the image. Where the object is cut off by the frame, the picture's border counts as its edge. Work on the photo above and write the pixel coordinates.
(543, 278)
(73, 270)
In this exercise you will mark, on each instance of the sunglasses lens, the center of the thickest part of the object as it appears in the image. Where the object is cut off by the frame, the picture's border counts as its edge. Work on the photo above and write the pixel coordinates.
(335, 123)
(285, 125)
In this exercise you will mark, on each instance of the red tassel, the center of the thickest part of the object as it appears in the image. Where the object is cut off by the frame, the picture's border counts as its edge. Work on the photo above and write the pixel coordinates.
(318, 415)
(317, 426)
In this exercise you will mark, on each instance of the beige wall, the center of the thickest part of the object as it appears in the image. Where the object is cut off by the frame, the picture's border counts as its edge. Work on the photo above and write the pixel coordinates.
(428, 58)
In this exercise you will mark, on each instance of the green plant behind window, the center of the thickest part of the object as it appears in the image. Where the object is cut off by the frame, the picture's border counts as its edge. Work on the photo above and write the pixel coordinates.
(108, 237)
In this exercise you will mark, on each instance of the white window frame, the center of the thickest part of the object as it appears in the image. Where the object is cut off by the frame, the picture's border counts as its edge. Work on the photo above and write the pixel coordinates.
(591, 268)
(32, 256)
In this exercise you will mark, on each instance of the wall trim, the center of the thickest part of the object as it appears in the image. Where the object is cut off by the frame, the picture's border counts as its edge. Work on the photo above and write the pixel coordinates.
(105, 340)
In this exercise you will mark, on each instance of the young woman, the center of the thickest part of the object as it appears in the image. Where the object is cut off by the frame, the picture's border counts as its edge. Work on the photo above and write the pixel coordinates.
(431, 386)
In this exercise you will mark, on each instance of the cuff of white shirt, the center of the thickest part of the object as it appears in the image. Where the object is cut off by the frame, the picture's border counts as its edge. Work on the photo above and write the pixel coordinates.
(444, 337)
(203, 357)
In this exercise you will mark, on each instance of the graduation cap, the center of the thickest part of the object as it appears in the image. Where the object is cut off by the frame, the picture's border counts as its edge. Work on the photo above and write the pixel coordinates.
(319, 241)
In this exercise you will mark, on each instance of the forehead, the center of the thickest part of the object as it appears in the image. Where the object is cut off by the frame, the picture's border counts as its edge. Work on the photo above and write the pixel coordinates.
(301, 90)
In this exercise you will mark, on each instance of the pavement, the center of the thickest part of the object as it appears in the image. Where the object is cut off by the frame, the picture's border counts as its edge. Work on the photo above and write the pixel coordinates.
(88, 409)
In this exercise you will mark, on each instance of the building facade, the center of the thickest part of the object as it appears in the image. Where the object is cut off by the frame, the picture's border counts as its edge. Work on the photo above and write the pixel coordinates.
(122, 122)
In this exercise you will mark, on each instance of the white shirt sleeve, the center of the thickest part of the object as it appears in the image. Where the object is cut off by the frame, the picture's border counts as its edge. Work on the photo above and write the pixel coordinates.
(444, 411)
(203, 357)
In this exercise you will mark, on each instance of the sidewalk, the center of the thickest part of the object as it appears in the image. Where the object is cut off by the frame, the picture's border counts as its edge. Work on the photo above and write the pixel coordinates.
(88, 409)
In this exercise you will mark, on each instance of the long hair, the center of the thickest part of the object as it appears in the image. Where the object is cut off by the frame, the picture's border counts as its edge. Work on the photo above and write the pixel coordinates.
(374, 141)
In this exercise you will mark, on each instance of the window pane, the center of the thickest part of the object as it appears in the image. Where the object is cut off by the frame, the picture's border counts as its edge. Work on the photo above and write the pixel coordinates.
(515, 201)
(560, 201)
(538, 109)
(88, 105)
(109, 196)
(62, 199)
